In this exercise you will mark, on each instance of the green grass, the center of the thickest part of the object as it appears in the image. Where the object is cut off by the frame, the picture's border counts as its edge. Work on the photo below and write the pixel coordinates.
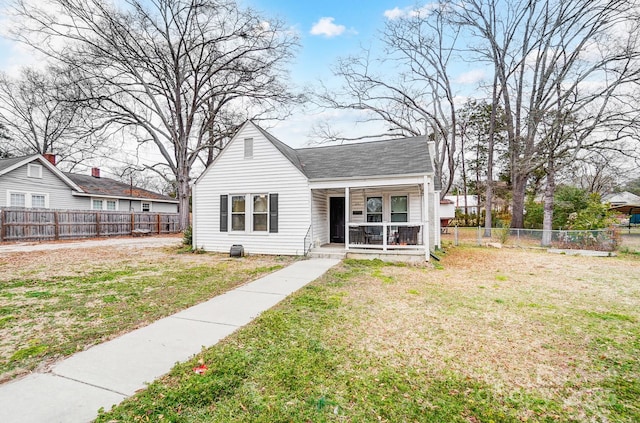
(52, 316)
(317, 357)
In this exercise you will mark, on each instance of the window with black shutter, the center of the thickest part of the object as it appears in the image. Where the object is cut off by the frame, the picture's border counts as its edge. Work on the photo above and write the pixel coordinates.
(224, 213)
(273, 213)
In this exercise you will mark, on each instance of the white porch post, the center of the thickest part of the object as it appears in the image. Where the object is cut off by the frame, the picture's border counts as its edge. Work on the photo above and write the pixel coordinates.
(426, 233)
(436, 220)
(347, 208)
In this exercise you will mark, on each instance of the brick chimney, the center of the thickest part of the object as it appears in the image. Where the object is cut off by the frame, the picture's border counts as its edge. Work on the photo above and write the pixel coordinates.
(50, 157)
(95, 172)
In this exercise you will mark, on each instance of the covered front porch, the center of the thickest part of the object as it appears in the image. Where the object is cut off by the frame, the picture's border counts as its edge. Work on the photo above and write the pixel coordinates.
(374, 218)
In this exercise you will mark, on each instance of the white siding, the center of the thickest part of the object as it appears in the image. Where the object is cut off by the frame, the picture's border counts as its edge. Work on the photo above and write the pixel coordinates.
(266, 172)
(357, 204)
(320, 217)
(415, 207)
(164, 207)
(59, 193)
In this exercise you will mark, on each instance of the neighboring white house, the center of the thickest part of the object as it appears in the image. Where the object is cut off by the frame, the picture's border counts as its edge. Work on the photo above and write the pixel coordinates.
(35, 182)
(466, 205)
(447, 212)
(377, 197)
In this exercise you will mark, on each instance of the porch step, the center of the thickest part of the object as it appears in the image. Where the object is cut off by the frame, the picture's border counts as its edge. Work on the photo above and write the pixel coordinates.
(327, 253)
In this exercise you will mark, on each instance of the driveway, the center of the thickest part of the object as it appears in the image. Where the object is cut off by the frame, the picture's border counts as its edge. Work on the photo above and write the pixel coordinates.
(125, 242)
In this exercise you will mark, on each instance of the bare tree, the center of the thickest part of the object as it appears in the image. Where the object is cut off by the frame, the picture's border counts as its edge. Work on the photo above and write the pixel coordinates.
(545, 53)
(167, 69)
(597, 172)
(41, 114)
(419, 100)
(5, 149)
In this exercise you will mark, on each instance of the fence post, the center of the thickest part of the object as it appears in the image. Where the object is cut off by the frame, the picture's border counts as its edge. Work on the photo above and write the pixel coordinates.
(133, 222)
(3, 220)
(158, 220)
(97, 223)
(56, 223)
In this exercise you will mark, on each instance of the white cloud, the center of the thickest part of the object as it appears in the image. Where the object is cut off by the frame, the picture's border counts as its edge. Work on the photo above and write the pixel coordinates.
(327, 28)
(471, 77)
(394, 13)
(409, 12)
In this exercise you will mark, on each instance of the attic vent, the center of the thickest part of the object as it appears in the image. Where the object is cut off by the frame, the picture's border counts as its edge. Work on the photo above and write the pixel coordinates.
(248, 148)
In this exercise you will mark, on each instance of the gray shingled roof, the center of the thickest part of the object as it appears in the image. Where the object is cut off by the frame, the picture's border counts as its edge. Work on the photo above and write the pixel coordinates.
(7, 163)
(400, 156)
(110, 187)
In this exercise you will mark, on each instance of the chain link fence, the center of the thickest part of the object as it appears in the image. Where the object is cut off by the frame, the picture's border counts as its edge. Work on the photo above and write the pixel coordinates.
(600, 240)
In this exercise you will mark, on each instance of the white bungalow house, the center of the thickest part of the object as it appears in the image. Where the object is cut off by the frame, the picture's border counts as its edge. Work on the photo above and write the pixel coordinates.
(376, 198)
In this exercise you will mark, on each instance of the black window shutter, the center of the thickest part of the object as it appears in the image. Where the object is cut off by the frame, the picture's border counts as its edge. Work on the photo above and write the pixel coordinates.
(224, 213)
(273, 213)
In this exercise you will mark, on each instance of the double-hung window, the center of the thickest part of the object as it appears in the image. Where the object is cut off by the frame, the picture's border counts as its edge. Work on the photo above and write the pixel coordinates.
(253, 213)
(374, 209)
(238, 212)
(38, 201)
(18, 199)
(260, 212)
(28, 200)
(399, 210)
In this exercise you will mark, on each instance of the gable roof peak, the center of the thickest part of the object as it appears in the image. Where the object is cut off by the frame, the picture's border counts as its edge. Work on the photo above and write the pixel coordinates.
(395, 156)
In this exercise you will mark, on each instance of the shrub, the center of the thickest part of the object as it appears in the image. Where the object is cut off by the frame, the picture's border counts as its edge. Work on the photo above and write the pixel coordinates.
(187, 236)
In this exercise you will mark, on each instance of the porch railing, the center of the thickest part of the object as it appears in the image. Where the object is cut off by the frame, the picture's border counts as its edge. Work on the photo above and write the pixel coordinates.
(386, 235)
(307, 241)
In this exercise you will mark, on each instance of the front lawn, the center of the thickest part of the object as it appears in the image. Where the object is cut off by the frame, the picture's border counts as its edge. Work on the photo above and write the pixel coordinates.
(54, 303)
(490, 335)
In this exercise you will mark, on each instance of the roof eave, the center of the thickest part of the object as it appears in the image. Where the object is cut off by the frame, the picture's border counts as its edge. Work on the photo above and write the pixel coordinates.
(120, 197)
(372, 177)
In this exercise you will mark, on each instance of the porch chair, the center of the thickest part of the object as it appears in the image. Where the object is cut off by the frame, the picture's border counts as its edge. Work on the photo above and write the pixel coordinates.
(408, 235)
(356, 235)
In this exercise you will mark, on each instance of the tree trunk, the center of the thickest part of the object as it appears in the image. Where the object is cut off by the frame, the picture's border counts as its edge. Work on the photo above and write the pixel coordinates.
(184, 195)
(492, 132)
(518, 191)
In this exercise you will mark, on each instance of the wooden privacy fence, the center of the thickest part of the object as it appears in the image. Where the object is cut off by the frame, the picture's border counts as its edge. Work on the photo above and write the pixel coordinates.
(40, 225)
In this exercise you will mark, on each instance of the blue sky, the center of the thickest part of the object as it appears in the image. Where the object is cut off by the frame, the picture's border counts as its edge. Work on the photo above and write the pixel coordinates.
(328, 29)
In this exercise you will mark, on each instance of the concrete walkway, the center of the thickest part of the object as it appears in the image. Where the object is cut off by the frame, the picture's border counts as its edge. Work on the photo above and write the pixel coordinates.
(74, 389)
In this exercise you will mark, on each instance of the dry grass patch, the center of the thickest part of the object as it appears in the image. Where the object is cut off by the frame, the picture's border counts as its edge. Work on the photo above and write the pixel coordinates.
(490, 335)
(54, 303)
(512, 319)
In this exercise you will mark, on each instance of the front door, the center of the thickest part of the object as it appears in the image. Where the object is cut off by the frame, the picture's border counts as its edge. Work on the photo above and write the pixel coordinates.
(336, 219)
